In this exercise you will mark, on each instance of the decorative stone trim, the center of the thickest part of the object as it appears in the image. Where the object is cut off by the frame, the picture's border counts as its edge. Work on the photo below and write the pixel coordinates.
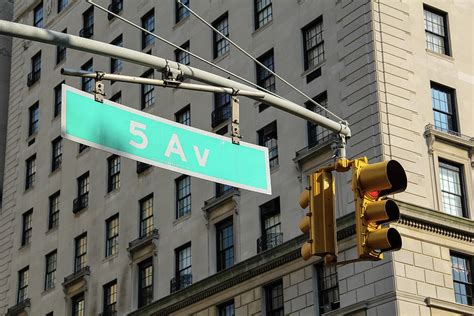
(449, 306)
(19, 308)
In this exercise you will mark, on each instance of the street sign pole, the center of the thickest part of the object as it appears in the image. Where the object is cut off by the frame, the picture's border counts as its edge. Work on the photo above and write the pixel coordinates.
(167, 144)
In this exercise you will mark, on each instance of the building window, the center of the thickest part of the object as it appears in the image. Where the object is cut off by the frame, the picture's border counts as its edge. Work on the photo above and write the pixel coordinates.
(313, 44)
(30, 172)
(142, 166)
(222, 109)
(33, 119)
(53, 218)
(82, 199)
(146, 216)
(116, 6)
(452, 194)
(80, 253)
(78, 305)
(182, 56)
(147, 91)
(27, 228)
(38, 15)
(110, 299)
(50, 274)
(61, 52)
(183, 275)
(436, 31)
(148, 23)
(221, 189)
(183, 196)
(316, 133)
(328, 288)
(88, 23)
(268, 137)
(184, 116)
(62, 4)
(82, 147)
(263, 12)
(270, 225)
(35, 73)
(117, 98)
(225, 244)
(58, 99)
(274, 299)
(145, 282)
(226, 309)
(88, 83)
(23, 276)
(463, 279)
(116, 65)
(442, 99)
(266, 79)
(111, 235)
(56, 153)
(113, 164)
(181, 11)
(221, 44)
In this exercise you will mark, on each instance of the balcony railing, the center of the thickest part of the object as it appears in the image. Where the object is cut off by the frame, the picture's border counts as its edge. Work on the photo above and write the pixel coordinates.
(220, 115)
(431, 127)
(76, 276)
(19, 308)
(181, 282)
(269, 241)
(116, 7)
(143, 240)
(87, 31)
(33, 77)
(80, 202)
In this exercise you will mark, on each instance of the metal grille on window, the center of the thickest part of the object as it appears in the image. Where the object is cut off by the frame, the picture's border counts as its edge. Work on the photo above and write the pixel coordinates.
(114, 173)
(328, 288)
(462, 279)
(23, 277)
(443, 109)
(221, 45)
(53, 211)
(146, 216)
(435, 29)
(181, 11)
(313, 44)
(183, 187)
(112, 233)
(81, 253)
(316, 133)
(266, 79)
(51, 262)
(451, 189)
(263, 12)
(148, 23)
(148, 91)
(225, 244)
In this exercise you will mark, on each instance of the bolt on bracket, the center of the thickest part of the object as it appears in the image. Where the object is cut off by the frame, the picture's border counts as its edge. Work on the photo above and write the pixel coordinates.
(235, 124)
(99, 89)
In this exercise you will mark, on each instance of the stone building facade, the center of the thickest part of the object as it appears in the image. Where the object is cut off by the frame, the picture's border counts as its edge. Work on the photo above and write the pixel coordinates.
(86, 232)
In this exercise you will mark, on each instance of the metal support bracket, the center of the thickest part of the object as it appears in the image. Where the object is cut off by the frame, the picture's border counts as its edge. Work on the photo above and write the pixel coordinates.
(171, 76)
(339, 148)
(99, 91)
(235, 124)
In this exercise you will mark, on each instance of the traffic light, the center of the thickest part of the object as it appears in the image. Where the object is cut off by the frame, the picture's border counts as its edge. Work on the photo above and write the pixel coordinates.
(371, 183)
(319, 222)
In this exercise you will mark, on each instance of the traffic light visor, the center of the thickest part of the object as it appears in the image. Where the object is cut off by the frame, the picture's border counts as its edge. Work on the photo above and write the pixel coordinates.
(385, 239)
(387, 177)
(383, 211)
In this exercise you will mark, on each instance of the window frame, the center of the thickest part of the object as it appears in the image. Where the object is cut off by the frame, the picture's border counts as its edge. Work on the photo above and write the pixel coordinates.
(217, 39)
(446, 39)
(145, 291)
(450, 165)
(186, 112)
(50, 270)
(30, 172)
(306, 50)
(116, 65)
(317, 133)
(259, 23)
(80, 252)
(61, 51)
(147, 91)
(62, 4)
(38, 21)
(148, 39)
(83, 184)
(76, 306)
(110, 293)
(112, 227)
(185, 209)
(222, 308)
(54, 209)
(265, 139)
(451, 98)
(56, 153)
(187, 270)
(221, 249)
(262, 75)
(33, 119)
(181, 12)
(269, 298)
(87, 84)
(58, 99)
(113, 173)
(145, 228)
(88, 23)
(323, 273)
(185, 59)
(467, 283)
(26, 227)
(22, 290)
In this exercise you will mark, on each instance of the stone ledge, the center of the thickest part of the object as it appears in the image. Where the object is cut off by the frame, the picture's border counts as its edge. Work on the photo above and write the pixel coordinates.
(449, 306)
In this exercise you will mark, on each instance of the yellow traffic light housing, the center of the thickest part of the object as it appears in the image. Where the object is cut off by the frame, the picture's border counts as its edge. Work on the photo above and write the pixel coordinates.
(319, 222)
(371, 183)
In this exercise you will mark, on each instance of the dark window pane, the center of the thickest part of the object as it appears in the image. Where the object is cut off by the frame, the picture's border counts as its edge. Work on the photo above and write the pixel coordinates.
(111, 235)
(328, 288)
(263, 12)
(268, 137)
(436, 31)
(148, 23)
(462, 278)
(221, 44)
(313, 43)
(274, 299)
(145, 282)
(225, 244)
(183, 195)
(50, 277)
(88, 83)
(147, 91)
(80, 260)
(146, 216)
(110, 299)
(266, 79)
(27, 228)
(181, 11)
(451, 189)
(38, 15)
(23, 281)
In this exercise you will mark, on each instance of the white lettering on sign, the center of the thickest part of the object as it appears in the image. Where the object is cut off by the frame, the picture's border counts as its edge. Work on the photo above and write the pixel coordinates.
(201, 159)
(134, 129)
(174, 146)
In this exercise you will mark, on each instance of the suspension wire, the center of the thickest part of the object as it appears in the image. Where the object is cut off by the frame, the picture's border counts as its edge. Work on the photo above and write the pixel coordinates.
(256, 61)
(184, 50)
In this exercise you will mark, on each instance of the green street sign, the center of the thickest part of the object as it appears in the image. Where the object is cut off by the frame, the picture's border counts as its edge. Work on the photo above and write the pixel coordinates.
(163, 143)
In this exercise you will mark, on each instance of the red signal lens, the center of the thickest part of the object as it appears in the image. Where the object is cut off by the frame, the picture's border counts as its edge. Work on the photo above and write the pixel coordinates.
(373, 194)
